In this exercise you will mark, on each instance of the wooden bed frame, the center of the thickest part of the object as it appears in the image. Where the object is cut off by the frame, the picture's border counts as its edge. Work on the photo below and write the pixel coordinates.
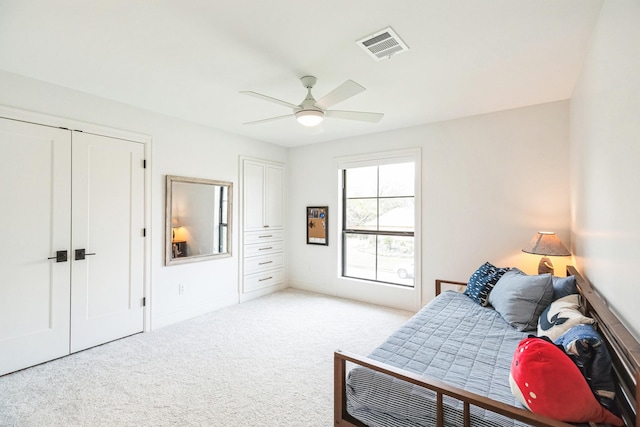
(624, 350)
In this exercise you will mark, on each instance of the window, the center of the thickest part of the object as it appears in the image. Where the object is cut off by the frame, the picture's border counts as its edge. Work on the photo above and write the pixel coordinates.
(378, 223)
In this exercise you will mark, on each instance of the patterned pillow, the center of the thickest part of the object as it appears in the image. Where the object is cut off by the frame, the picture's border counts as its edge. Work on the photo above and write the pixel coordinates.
(560, 316)
(482, 282)
(546, 381)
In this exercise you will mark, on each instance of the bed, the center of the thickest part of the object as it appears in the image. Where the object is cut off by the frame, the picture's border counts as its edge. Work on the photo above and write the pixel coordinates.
(449, 366)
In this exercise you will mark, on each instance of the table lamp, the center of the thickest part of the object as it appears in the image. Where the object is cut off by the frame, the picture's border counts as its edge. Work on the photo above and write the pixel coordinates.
(546, 243)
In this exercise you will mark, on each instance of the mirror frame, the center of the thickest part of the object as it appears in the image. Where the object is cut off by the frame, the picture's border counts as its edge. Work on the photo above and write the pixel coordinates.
(168, 258)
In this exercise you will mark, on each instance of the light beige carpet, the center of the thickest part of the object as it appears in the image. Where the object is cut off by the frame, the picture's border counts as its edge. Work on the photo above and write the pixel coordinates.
(266, 362)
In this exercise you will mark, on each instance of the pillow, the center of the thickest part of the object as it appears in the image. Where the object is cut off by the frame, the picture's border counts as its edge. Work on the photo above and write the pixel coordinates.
(563, 286)
(482, 281)
(546, 381)
(520, 298)
(561, 316)
(584, 344)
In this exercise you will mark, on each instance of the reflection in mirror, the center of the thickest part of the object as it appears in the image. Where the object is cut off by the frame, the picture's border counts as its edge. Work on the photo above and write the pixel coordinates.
(198, 219)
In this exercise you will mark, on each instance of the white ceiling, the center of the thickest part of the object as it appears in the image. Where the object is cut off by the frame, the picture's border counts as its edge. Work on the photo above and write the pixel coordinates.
(190, 58)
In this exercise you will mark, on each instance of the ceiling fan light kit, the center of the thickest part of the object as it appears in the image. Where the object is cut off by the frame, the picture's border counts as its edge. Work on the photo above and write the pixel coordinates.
(309, 117)
(311, 112)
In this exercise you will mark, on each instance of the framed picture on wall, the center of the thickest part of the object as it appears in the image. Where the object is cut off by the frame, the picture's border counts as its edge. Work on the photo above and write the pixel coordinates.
(317, 225)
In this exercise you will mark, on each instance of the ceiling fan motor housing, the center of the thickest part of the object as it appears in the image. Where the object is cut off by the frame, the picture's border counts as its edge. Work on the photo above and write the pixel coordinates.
(308, 81)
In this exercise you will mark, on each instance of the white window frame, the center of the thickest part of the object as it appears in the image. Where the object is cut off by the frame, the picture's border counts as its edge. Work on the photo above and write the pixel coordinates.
(404, 297)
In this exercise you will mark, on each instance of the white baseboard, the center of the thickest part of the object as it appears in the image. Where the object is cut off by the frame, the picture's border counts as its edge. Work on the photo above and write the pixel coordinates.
(261, 292)
(207, 306)
(305, 286)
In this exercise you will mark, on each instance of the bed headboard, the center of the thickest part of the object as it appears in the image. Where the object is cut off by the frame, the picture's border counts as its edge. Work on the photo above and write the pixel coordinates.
(623, 348)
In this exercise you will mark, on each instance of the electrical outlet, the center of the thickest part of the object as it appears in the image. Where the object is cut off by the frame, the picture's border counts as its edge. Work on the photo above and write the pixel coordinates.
(180, 289)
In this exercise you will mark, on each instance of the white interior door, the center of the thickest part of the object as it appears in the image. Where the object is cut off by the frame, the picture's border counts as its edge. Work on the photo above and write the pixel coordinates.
(35, 191)
(108, 221)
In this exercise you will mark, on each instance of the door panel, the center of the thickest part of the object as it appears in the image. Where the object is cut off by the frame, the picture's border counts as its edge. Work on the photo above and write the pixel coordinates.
(107, 220)
(253, 200)
(36, 207)
(274, 214)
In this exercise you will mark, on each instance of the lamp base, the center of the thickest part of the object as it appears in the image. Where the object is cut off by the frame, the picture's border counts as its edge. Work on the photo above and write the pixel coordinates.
(545, 266)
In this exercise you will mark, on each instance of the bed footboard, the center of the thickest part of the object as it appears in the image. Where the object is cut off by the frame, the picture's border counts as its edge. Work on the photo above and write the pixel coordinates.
(343, 419)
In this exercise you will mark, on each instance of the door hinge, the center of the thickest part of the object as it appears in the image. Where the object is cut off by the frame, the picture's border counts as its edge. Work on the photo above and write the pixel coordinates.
(144, 232)
(144, 301)
(144, 164)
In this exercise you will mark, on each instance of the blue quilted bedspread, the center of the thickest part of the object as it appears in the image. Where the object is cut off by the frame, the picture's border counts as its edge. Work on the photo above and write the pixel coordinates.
(452, 339)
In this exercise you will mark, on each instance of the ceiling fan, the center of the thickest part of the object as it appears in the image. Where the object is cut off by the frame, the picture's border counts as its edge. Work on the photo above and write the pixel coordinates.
(311, 112)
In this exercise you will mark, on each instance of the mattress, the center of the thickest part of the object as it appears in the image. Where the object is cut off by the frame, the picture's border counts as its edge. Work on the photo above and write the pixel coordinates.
(451, 339)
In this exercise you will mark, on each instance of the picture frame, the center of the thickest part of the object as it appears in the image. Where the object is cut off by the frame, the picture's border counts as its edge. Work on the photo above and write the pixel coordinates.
(318, 225)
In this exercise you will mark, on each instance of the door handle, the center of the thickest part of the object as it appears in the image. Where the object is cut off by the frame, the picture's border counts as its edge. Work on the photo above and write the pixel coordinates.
(81, 254)
(61, 256)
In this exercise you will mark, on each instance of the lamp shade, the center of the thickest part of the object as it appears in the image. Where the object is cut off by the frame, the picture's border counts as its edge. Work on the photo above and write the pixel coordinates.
(546, 243)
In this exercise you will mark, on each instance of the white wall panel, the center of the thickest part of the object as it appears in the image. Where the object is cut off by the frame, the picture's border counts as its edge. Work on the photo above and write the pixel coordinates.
(488, 183)
(605, 154)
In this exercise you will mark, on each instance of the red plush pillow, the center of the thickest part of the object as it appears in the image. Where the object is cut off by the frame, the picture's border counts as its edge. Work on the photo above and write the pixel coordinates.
(545, 380)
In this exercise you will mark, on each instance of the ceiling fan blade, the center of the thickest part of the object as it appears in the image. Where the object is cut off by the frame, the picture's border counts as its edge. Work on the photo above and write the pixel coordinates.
(268, 98)
(339, 94)
(270, 119)
(355, 115)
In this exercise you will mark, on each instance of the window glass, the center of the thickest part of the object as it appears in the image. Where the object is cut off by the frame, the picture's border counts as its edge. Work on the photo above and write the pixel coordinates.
(397, 180)
(397, 214)
(395, 260)
(363, 182)
(362, 214)
(361, 256)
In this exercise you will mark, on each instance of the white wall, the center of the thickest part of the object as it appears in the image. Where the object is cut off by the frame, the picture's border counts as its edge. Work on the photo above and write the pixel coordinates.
(489, 182)
(605, 160)
(178, 148)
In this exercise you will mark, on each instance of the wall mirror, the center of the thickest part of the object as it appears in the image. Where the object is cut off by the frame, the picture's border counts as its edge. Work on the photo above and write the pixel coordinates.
(198, 219)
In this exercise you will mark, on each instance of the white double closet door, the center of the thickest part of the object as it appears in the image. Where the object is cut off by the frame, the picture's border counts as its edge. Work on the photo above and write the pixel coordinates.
(64, 192)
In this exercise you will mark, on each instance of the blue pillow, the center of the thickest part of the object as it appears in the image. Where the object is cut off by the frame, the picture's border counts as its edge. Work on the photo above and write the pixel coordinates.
(482, 282)
(563, 286)
(520, 298)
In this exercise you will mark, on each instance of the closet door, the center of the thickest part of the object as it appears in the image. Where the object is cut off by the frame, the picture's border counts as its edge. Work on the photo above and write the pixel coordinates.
(274, 200)
(108, 223)
(253, 196)
(35, 191)
(263, 195)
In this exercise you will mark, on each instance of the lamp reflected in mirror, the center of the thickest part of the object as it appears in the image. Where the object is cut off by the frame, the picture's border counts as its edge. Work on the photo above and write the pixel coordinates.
(547, 244)
(174, 224)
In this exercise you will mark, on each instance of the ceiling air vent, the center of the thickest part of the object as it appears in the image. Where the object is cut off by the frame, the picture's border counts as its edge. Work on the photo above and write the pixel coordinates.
(383, 44)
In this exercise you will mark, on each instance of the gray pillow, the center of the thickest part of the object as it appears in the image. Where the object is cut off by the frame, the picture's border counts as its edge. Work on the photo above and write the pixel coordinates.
(563, 286)
(520, 298)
